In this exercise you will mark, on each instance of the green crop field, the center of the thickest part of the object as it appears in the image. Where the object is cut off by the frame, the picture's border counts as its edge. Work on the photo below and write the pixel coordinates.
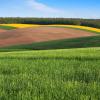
(68, 74)
(7, 27)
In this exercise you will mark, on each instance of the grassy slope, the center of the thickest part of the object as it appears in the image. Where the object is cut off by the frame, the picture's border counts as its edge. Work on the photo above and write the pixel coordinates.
(7, 27)
(93, 41)
(50, 75)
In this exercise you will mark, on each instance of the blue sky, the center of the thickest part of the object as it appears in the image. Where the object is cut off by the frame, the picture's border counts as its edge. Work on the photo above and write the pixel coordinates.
(50, 8)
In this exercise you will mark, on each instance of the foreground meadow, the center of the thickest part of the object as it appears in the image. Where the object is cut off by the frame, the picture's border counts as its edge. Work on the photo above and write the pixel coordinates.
(69, 74)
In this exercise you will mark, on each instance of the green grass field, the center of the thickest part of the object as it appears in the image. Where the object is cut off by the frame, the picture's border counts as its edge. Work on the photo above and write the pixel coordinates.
(7, 27)
(68, 74)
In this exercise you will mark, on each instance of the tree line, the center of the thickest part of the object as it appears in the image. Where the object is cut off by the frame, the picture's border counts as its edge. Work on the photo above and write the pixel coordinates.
(47, 21)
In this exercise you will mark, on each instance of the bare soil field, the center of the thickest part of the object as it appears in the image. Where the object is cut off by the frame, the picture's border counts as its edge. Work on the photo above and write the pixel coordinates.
(39, 34)
(2, 30)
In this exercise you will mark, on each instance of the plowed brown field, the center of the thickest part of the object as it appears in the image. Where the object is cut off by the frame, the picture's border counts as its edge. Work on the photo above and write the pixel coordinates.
(1, 30)
(39, 34)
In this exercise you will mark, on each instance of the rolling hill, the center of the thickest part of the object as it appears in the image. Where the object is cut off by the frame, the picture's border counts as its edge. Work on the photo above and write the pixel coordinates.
(30, 70)
(39, 34)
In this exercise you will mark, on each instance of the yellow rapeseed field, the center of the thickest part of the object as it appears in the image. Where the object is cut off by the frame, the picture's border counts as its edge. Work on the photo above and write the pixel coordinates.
(20, 25)
(70, 26)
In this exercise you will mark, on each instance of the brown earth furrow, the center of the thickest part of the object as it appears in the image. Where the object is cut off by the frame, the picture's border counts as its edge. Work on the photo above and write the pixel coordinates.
(2, 30)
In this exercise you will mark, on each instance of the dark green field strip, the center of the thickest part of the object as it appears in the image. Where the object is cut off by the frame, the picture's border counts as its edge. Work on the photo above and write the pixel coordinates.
(84, 42)
(54, 58)
(7, 27)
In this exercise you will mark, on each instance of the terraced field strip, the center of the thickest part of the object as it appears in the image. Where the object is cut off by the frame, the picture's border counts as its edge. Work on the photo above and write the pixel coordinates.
(96, 30)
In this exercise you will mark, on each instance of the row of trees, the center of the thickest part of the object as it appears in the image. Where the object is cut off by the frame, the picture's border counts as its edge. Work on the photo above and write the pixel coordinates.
(46, 21)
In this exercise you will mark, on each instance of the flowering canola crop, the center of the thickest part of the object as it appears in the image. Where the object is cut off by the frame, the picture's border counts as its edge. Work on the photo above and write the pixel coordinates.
(67, 26)
(20, 25)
